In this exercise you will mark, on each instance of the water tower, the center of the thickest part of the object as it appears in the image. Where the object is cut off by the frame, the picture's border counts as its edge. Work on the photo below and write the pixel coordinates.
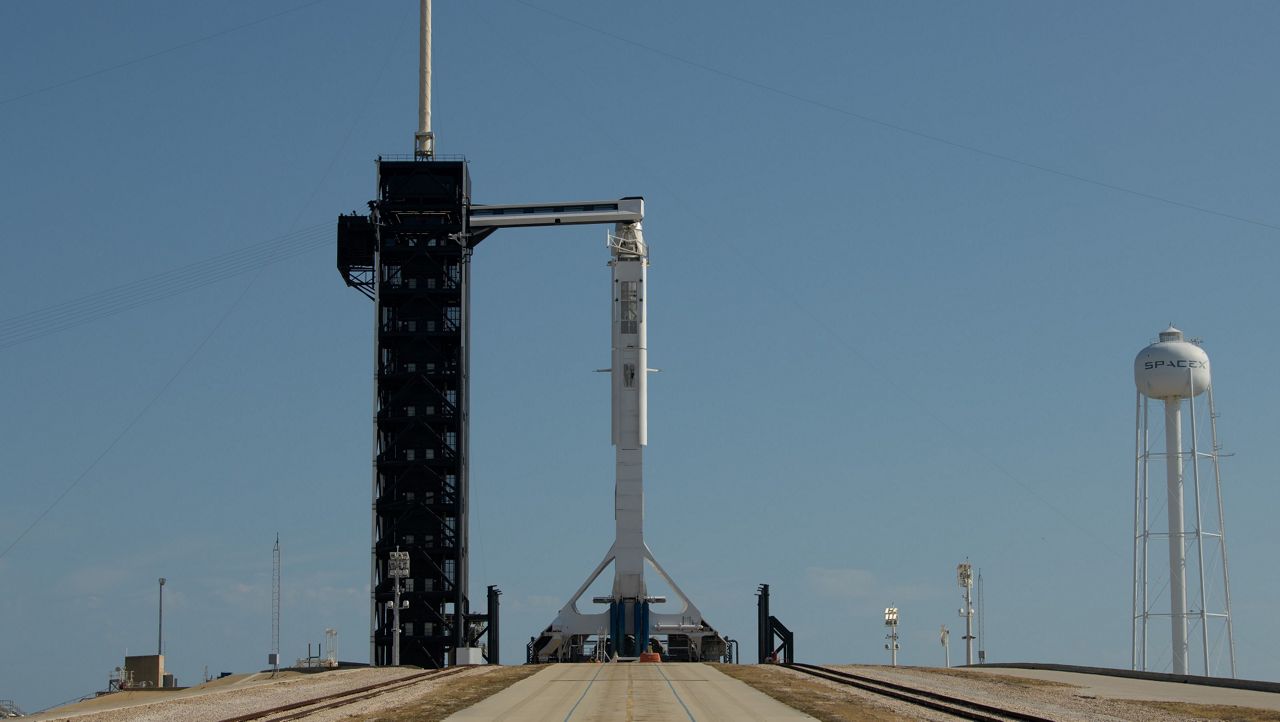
(1171, 371)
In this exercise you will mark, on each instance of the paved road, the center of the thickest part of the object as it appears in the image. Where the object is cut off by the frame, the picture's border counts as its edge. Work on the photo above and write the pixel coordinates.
(617, 692)
(1099, 685)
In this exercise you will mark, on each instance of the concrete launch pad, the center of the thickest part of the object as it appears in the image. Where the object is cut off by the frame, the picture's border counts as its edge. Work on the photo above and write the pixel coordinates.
(630, 691)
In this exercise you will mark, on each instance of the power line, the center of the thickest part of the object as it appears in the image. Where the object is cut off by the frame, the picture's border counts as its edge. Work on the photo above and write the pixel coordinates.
(118, 299)
(833, 335)
(901, 128)
(132, 422)
(156, 54)
(215, 266)
(306, 232)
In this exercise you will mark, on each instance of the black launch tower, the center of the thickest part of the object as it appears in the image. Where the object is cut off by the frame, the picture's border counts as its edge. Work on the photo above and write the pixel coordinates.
(411, 256)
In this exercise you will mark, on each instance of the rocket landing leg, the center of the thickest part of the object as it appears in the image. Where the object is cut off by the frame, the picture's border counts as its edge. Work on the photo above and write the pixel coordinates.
(628, 627)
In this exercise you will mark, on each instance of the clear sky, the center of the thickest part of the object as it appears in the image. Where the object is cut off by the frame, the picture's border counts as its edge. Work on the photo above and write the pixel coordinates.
(903, 256)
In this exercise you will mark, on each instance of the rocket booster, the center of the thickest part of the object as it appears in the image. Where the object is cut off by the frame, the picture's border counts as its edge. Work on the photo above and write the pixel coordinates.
(631, 623)
(629, 372)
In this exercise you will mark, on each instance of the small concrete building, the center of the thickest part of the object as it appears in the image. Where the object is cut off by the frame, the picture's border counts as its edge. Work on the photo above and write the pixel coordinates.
(146, 670)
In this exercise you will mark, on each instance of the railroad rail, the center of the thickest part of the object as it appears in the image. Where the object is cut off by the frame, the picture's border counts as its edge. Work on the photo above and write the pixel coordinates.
(299, 710)
(957, 706)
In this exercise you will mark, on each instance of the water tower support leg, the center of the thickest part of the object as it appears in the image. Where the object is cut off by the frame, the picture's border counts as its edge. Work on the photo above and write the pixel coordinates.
(1177, 548)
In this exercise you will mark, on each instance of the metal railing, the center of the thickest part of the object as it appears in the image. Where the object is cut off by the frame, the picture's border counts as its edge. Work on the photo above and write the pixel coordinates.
(454, 157)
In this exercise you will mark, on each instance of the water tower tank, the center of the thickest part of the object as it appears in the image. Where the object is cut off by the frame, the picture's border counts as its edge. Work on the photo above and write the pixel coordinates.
(1171, 368)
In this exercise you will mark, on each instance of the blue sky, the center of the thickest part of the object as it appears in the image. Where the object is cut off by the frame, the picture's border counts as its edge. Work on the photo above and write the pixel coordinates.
(903, 256)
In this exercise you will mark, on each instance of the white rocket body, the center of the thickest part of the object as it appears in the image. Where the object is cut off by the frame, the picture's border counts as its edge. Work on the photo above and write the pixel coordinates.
(629, 377)
(629, 601)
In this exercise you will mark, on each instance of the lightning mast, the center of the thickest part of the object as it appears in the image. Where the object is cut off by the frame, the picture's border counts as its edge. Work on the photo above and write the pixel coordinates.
(424, 142)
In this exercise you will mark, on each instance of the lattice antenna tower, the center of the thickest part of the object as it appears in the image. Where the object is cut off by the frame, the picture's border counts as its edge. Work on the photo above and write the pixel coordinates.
(275, 602)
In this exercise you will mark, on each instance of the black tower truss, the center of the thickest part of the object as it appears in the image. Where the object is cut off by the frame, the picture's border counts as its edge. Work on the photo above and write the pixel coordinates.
(411, 255)
(771, 630)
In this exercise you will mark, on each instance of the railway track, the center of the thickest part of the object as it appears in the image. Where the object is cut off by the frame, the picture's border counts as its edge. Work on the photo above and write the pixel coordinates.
(300, 710)
(957, 706)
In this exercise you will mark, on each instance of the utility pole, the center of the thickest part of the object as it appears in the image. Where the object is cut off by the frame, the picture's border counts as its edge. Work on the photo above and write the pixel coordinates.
(891, 621)
(274, 657)
(160, 635)
(982, 619)
(945, 637)
(964, 575)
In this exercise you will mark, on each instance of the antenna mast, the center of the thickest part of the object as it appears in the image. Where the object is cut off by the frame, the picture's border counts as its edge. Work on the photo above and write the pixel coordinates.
(424, 141)
(980, 593)
(275, 607)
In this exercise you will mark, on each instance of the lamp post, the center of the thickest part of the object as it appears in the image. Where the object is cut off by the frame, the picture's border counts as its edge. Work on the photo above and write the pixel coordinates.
(964, 576)
(160, 635)
(945, 638)
(891, 621)
(397, 568)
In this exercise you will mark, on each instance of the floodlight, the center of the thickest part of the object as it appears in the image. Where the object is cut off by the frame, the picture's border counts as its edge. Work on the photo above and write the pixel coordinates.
(891, 621)
(398, 564)
(964, 576)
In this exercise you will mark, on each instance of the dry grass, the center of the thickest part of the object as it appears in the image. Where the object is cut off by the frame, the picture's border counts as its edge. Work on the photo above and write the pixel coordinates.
(996, 678)
(455, 694)
(1222, 712)
(810, 696)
